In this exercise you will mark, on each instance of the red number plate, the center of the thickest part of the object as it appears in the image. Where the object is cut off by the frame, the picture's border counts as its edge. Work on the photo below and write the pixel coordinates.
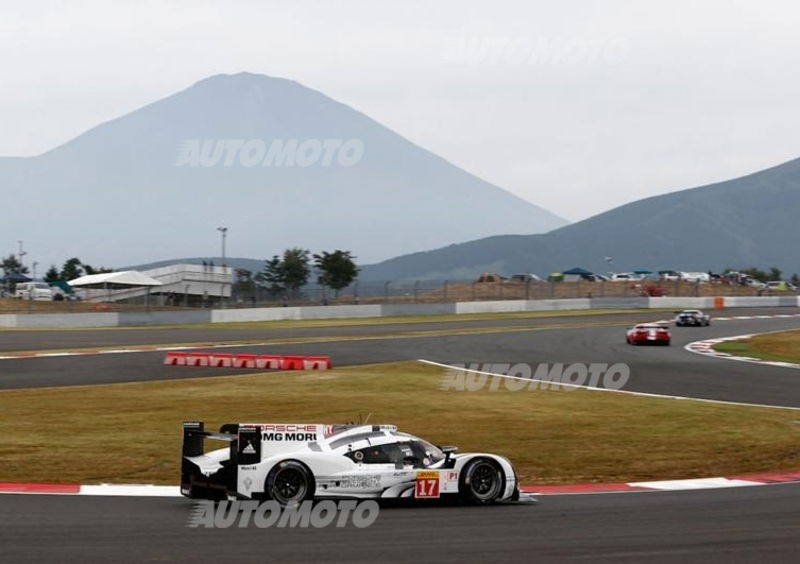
(427, 485)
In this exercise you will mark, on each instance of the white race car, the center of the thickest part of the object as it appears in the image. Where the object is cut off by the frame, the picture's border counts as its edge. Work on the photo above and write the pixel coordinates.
(290, 462)
(692, 318)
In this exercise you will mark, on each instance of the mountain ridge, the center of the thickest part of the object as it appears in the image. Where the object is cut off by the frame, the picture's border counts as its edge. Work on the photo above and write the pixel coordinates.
(741, 222)
(119, 183)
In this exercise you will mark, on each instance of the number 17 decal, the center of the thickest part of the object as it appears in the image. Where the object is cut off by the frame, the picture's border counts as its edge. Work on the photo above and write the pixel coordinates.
(427, 485)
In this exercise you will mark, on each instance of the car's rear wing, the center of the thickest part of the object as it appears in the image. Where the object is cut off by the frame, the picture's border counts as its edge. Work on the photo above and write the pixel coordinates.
(194, 434)
(192, 463)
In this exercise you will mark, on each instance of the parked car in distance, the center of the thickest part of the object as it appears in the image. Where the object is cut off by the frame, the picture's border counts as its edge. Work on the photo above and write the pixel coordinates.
(669, 275)
(33, 291)
(695, 276)
(781, 285)
(525, 278)
(753, 283)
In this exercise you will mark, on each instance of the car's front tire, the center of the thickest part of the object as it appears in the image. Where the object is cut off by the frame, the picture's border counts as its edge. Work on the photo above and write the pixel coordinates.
(481, 483)
(289, 482)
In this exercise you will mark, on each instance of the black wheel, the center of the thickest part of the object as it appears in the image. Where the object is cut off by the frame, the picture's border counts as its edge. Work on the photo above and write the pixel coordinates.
(481, 482)
(289, 482)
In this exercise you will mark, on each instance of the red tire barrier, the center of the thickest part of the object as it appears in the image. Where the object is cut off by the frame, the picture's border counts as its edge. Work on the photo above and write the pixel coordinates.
(197, 359)
(268, 361)
(317, 363)
(245, 360)
(175, 358)
(218, 359)
(293, 363)
(262, 361)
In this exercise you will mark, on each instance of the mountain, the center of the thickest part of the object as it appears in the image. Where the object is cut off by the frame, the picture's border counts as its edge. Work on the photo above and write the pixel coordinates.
(748, 221)
(277, 163)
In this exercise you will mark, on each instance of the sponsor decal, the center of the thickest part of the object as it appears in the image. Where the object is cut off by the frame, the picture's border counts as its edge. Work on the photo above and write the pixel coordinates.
(289, 432)
(427, 484)
(360, 482)
(290, 427)
(290, 437)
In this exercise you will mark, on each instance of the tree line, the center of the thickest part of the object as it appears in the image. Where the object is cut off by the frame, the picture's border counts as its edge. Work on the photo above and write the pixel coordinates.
(286, 274)
(73, 268)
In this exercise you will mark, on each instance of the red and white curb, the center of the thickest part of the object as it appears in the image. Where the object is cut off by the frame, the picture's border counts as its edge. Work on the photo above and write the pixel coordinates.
(127, 490)
(706, 348)
(149, 490)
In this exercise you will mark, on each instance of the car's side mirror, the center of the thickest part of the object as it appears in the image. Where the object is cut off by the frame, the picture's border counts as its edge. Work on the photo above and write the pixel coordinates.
(448, 451)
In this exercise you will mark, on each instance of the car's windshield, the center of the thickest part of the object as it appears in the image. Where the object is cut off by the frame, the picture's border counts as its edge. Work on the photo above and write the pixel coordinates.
(417, 452)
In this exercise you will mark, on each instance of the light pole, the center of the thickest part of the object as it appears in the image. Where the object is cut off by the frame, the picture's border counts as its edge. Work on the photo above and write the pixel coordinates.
(609, 260)
(21, 254)
(224, 231)
(35, 264)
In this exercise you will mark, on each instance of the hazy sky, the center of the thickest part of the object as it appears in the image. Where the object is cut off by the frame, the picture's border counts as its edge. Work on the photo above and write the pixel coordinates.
(578, 106)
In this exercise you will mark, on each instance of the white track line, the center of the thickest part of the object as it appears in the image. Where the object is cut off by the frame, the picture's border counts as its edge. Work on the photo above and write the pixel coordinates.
(706, 348)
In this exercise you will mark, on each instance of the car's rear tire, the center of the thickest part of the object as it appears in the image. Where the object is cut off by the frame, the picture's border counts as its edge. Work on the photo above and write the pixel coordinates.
(289, 482)
(481, 483)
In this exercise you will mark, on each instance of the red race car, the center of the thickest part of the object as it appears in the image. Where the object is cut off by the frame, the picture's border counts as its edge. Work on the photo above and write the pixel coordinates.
(648, 334)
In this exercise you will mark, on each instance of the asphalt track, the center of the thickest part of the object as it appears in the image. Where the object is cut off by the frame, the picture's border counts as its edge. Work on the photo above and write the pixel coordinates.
(731, 525)
(726, 525)
(26, 339)
(660, 370)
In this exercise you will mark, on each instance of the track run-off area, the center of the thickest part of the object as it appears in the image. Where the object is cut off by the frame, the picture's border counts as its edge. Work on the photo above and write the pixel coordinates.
(727, 524)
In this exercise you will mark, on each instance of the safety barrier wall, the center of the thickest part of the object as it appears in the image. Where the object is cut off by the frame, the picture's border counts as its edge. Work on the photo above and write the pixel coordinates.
(417, 309)
(287, 313)
(61, 321)
(112, 319)
(493, 306)
(130, 319)
(682, 303)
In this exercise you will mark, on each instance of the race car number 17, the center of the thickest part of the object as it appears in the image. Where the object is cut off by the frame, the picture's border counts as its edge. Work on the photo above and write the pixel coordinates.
(427, 485)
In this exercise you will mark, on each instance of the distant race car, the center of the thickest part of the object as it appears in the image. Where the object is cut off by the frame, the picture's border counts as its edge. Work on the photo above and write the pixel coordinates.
(289, 463)
(648, 334)
(692, 318)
